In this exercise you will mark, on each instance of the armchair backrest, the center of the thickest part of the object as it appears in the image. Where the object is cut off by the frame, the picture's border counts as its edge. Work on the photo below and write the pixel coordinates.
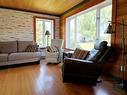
(100, 53)
(57, 42)
(107, 54)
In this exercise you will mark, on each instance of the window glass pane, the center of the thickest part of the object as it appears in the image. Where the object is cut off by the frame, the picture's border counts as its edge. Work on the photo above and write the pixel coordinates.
(41, 26)
(105, 16)
(48, 26)
(39, 33)
(72, 33)
(86, 30)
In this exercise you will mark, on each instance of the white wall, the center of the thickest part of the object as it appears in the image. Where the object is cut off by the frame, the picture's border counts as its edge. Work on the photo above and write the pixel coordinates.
(18, 25)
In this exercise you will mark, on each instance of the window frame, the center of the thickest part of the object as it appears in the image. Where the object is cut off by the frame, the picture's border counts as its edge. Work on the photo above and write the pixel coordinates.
(97, 8)
(34, 26)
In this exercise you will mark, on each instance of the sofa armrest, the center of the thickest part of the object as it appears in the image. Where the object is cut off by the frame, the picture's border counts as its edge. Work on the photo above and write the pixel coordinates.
(77, 66)
(76, 61)
(72, 64)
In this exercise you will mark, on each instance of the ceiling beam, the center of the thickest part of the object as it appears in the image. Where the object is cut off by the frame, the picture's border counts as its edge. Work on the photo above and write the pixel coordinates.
(80, 4)
(29, 11)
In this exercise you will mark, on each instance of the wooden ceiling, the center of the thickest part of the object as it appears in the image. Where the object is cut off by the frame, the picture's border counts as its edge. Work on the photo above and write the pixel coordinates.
(54, 7)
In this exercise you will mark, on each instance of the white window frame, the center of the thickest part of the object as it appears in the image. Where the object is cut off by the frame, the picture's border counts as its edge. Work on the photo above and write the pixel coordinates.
(97, 8)
(44, 20)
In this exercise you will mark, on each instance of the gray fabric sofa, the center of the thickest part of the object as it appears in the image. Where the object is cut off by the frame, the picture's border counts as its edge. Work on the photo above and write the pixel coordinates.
(13, 52)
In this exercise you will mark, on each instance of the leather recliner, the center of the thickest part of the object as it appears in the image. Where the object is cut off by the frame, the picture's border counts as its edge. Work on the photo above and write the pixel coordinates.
(89, 69)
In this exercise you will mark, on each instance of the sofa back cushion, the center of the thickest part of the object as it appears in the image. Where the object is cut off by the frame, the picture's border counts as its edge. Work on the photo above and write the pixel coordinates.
(22, 45)
(8, 47)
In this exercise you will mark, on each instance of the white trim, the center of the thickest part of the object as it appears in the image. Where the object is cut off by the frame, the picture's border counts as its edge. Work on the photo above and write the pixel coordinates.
(97, 24)
(101, 5)
(43, 21)
(75, 32)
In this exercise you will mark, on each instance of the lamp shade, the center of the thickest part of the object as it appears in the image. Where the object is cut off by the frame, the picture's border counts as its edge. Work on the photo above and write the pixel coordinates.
(109, 29)
(47, 32)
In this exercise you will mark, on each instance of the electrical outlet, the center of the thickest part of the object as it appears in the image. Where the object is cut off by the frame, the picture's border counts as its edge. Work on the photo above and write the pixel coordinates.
(123, 68)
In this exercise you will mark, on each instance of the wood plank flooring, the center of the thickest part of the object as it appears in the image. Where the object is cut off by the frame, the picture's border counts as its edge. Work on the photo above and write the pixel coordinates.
(45, 79)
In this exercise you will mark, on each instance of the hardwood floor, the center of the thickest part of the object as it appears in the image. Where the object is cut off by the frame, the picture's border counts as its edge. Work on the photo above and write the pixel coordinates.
(45, 79)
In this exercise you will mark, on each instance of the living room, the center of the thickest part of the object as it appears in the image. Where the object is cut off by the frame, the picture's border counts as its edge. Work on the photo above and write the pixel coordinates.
(70, 24)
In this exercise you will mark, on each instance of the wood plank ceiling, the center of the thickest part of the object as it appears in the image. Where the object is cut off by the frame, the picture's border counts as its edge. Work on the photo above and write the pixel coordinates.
(54, 7)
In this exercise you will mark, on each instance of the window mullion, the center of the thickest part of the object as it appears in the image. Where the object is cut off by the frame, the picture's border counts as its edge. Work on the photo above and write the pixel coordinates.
(44, 44)
(68, 34)
(52, 32)
(76, 31)
(98, 24)
(69, 38)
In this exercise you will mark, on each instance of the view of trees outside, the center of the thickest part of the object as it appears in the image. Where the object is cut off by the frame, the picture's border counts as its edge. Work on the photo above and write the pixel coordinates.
(39, 33)
(105, 16)
(41, 26)
(86, 30)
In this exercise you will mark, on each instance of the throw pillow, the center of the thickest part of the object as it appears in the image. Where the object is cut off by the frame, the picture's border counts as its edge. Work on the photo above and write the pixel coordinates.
(94, 55)
(79, 53)
(97, 56)
(76, 52)
(31, 48)
(52, 49)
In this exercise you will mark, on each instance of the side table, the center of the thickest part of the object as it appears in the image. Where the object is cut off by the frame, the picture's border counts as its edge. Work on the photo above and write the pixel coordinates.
(67, 54)
(43, 52)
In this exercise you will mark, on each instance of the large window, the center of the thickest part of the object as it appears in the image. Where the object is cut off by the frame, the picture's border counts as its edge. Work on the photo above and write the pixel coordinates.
(85, 28)
(105, 16)
(41, 25)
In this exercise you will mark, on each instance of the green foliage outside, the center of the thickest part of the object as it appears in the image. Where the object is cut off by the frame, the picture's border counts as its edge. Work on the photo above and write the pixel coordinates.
(86, 27)
(39, 33)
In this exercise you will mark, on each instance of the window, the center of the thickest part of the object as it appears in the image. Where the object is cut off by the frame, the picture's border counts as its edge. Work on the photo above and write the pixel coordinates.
(87, 27)
(86, 30)
(71, 35)
(41, 25)
(105, 16)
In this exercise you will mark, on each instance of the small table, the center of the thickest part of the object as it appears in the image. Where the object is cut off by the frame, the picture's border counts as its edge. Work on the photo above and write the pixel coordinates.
(43, 52)
(67, 54)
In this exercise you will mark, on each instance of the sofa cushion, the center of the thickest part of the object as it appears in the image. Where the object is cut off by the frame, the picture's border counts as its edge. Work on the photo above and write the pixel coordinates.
(23, 55)
(52, 55)
(22, 45)
(8, 47)
(3, 57)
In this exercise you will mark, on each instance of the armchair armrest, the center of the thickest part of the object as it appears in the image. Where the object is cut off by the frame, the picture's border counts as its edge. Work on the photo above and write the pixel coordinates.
(77, 66)
(76, 61)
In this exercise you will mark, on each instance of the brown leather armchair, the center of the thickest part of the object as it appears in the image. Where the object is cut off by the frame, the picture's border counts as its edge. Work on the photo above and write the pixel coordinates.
(89, 69)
